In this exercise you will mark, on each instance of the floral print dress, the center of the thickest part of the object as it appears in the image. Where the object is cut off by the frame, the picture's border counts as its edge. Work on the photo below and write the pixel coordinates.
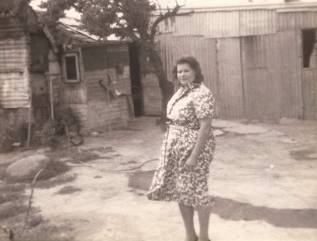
(173, 180)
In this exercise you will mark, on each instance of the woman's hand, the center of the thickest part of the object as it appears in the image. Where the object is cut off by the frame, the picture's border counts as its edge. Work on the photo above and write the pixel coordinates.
(204, 131)
(191, 162)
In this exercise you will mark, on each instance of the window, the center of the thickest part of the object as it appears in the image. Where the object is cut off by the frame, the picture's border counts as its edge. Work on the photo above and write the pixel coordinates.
(309, 47)
(71, 68)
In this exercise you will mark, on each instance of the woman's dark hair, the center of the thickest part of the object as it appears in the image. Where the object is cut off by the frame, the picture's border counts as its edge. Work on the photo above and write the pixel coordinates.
(193, 64)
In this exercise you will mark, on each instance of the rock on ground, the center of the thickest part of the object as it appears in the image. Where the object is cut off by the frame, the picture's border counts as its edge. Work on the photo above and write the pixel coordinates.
(26, 168)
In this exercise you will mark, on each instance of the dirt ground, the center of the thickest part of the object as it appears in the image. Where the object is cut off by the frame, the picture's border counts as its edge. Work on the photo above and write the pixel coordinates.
(263, 181)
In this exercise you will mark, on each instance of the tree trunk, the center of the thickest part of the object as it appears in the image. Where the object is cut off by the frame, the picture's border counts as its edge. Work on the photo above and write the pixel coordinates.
(166, 86)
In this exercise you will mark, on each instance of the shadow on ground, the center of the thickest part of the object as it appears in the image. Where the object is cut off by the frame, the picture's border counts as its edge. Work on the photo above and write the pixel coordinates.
(230, 209)
(279, 217)
(304, 155)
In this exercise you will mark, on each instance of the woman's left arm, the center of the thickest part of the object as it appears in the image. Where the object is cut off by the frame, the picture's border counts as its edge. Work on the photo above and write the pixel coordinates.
(203, 134)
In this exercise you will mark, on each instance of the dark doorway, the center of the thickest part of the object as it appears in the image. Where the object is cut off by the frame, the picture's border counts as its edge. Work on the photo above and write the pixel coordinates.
(308, 40)
(136, 85)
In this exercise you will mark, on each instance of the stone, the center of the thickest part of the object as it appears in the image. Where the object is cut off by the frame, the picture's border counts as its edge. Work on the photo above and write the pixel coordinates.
(25, 168)
(218, 133)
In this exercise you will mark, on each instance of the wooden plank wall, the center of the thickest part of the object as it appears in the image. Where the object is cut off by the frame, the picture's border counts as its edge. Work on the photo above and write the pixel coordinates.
(94, 90)
(112, 114)
(103, 109)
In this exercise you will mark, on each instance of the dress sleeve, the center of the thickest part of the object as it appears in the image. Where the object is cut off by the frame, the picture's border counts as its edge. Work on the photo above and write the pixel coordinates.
(204, 105)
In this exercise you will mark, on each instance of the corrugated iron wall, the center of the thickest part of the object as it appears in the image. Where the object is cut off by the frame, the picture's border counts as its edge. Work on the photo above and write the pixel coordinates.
(229, 83)
(14, 75)
(259, 73)
(297, 20)
(254, 76)
(257, 22)
(310, 93)
(289, 68)
(172, 48)
(262, 88)
(219, 24)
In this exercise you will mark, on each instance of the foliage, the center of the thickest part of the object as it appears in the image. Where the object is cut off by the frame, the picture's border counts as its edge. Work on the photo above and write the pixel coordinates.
(125, 18)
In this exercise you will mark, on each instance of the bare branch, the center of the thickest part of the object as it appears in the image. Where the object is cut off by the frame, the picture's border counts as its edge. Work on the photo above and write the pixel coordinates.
(30, 200)
(162, 17)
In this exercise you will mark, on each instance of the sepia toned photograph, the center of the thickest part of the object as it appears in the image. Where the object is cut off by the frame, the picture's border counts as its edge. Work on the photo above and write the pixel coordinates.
(158, 120)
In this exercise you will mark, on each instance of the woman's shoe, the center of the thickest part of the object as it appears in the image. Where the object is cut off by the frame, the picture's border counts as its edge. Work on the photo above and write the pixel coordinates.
(195, 239)
(203, 239)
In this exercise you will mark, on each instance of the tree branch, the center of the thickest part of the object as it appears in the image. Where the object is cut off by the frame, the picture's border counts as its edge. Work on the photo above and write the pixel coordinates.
(162, 17)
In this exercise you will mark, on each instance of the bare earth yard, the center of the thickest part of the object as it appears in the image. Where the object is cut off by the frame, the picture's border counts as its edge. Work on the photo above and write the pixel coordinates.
(263, 181)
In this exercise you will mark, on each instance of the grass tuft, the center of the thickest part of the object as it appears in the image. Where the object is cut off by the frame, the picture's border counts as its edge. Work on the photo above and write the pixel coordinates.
(8, 210)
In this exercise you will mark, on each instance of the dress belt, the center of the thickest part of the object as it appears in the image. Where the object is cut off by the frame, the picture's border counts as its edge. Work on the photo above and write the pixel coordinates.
(174, 123)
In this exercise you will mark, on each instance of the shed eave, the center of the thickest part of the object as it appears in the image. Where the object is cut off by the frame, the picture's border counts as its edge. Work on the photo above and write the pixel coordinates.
(291, 7)
(105, 42)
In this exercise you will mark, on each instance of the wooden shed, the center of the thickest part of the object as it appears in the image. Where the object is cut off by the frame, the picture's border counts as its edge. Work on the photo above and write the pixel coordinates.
(43, 70)
(259, 60)
(97, 83)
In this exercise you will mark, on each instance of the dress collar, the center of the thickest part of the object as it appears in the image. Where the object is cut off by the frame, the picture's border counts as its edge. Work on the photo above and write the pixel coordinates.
(182, 92)
(190, 86)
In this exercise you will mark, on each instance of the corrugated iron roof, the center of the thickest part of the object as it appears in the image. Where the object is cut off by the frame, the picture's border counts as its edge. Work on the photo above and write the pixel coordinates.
(77, 33)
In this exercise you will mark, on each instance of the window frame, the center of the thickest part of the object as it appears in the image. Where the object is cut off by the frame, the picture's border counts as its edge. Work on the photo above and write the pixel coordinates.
(66, 79)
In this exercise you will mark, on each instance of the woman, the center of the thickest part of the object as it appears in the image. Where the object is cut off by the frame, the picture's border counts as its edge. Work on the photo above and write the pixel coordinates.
(187, 149)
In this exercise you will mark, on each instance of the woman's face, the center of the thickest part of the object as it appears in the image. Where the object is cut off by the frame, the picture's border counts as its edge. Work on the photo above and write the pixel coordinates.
(185, 74)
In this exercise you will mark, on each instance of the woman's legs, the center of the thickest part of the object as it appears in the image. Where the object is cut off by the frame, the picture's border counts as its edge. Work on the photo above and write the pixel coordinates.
(188, 218)
(203, 217)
